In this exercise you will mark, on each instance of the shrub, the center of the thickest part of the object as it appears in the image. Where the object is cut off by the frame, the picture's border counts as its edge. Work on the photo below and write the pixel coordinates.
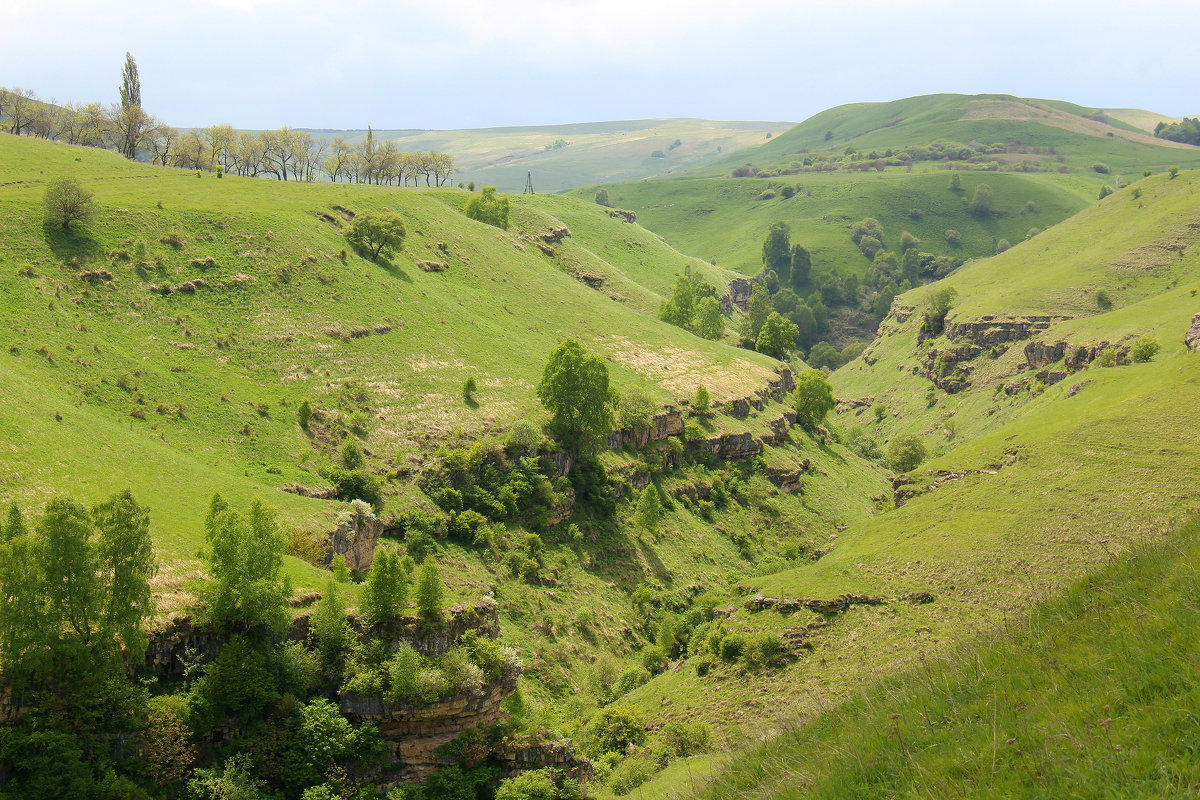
(731, 646)
(635, 410)
(430, 592)
(1144, 349)
(687, 738)
(402, 673)
(813, 398)
(906, 453)
(616, 727)
(350, 454)
(304, 414)
(531, 785)
(66, 202)
(1105, 191)
(694, 432)
(462, 676)
(631, 679)
(602, 198)
(654, 660)
(1103, 300)
(431, 684)
(524, 435)
(468, 390)
(488, 208)
(981, 201)
(762, 649)
(1002, 245)
(1172, 172)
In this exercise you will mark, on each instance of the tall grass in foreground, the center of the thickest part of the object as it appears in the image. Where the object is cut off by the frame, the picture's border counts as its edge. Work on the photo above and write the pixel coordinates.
(1096, 694)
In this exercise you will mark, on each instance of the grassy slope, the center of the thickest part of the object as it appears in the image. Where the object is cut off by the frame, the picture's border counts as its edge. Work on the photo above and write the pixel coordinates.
(240, 360)
(1088, 697)
(1049, 486)
(597, 152)
(720, 219)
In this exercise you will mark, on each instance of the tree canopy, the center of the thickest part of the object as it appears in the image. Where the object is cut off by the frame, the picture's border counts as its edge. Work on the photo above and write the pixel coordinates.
(489, 208)
(574, 389)
(813, 398)
(375, 233)
(66, 202)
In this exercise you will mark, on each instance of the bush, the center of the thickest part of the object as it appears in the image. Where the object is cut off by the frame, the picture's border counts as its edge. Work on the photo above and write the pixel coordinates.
(524, 435)
(532, 785)
(615, 728)
(906, 453)
(654, 660)
(953, 237)
(731, 646)
(813, 398)
(462, 676)
(1103, 300)
(701, 402)
(635, 410)
(981, 201)
(687, 738)
(762, 649)
(1144, 349)
(631, 679)
(66, 202)
(488, 208)
(1101, 168)
(402, 674)
(304, 414)
(431, 684)
(630, 774)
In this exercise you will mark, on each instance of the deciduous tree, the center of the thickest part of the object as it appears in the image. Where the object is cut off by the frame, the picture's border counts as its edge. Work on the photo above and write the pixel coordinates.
(574, 389)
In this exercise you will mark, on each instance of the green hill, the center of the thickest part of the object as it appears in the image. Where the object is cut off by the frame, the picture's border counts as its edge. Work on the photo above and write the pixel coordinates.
(882, 160)
(1048, 462)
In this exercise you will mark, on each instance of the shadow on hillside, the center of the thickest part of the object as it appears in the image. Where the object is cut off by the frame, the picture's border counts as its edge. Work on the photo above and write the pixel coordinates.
(393, 270)
(656, 565)
(71, 243)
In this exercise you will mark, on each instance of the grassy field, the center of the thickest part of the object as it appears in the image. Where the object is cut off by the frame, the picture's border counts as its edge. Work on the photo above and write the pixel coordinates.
(565, 156)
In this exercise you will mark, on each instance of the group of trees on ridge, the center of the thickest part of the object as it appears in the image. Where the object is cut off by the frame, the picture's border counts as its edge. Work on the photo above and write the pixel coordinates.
(284, 153)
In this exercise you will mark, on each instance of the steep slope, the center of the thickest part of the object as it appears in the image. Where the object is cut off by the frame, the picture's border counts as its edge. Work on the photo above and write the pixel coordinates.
(195, 315)
(1045, 463)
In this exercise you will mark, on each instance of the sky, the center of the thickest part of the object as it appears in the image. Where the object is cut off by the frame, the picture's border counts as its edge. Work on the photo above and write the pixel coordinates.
(443, 64)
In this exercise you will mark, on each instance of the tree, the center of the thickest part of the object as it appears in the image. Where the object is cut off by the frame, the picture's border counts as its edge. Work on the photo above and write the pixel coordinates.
(701, 401)
(777, 337)
(376, 233)
(330, 627)
(777, 250)
(801, 266)
(430, 593)
(248, 590)
(981, 201)
(937, 306)
(1105, 191)
(73, 589)
(813, 398)
(469, 389)
(679, 309)
(386, 589)
(131, 85)
(602, 198)
(1144, 349)
(535, 784)
(66, 202)
(635, 410)
(955, 182)
(906, 453)
(649, 508)
(757, 312)
(908, 242)
(708, 321)
(574, 389)
(486, 207)
(304, 414)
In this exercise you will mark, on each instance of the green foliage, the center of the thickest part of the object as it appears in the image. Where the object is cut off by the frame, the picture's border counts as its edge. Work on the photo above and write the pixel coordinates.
(402, 672)
(614, 728)
(777, 337)
(906, 453)
(982, 202)
(65, 201)
(756, 316)
(649, 508)
(234, 780)
(801, 271)
(304, 414)
(701, 402)
(386, 591)
(813, 398)
(1103, 301)
(354, 484)
(468, 390)
(955, 182)
(1172, 172)
(330, 627)
(350, 454)
(1144, 349)
(523, 436)
(908, 242)
(685, 739)
(654, 660)
(953, 237)
(430, 593)
(489, 208)
(248, 590)
(1105, 191)
(937, 306)
(635, 410)
(376, 233)
(574, 389)
(777, 250)
(708, 321)
(602, 198)
(867, 228)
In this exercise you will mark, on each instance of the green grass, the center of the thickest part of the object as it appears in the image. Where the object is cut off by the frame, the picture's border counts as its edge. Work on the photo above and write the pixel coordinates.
(219, 373)
(1092, 694)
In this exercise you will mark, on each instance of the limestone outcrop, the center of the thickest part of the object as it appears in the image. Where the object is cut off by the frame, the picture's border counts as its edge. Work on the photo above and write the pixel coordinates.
(1192, 337)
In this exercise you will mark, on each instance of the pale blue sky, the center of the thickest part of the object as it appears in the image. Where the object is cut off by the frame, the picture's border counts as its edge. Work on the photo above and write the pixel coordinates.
(468, 63)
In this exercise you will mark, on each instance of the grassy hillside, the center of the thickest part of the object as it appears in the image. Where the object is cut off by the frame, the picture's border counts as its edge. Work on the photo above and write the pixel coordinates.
(206, 382)
(565, 156)
(1028, 486)
(862, 160)
(1088, 696)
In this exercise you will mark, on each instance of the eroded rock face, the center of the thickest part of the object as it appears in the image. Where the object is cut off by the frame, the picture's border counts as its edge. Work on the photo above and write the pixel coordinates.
(988, 330)
(668, 423)
(355, 537)
(1074, 358)
(738, 295)
(1192, 337)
